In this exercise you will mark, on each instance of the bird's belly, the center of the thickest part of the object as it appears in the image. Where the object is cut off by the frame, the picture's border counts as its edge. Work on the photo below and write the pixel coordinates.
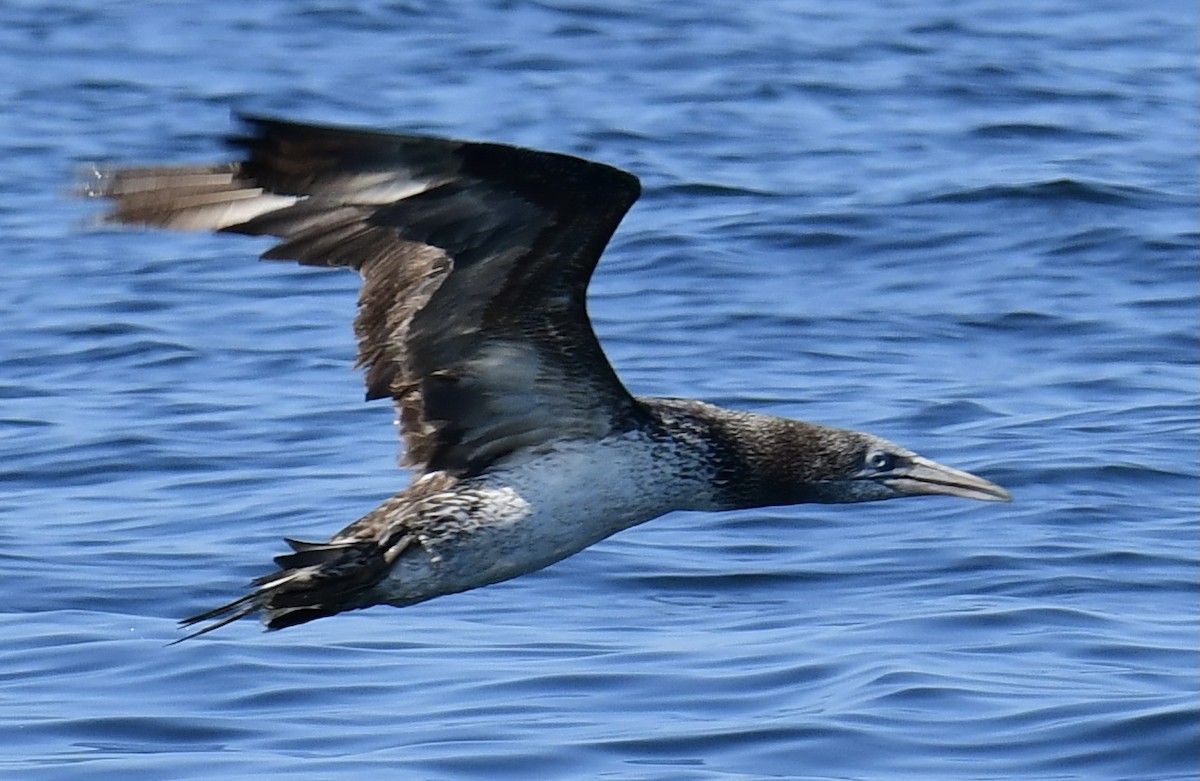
(533, 514)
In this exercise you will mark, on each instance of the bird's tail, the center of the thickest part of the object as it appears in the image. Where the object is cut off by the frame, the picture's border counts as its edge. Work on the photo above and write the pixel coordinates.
(316, 579)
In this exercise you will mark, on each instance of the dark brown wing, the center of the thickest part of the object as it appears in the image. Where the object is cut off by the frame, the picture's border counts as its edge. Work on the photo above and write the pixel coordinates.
(475, 261)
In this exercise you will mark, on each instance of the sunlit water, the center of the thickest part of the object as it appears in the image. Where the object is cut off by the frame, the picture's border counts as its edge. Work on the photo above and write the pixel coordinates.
(970, 228)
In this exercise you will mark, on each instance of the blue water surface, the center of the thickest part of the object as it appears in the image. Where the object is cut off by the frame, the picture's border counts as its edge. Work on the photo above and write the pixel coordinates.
(968, 227)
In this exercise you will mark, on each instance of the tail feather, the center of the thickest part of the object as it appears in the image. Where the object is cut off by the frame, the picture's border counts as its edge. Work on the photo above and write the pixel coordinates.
(313, 581)
(309, 554)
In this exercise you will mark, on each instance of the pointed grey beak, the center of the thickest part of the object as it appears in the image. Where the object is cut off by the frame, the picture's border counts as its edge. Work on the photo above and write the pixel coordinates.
(922, 476)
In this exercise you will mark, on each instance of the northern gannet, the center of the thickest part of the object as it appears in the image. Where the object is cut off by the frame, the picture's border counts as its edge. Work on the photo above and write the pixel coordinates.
(526, 448)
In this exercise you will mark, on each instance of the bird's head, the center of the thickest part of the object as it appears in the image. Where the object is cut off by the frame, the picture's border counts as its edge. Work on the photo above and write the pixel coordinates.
(880, 469)
(795, 462)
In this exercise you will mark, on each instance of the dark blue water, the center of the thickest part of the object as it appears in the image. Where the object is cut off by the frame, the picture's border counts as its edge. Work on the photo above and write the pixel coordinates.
(968, 227)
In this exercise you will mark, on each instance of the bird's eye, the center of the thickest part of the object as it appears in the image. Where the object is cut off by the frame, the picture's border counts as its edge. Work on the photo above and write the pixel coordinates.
(879, 459)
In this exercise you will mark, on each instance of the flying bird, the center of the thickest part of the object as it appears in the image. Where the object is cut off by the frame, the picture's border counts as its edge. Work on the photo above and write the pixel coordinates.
(525, 446)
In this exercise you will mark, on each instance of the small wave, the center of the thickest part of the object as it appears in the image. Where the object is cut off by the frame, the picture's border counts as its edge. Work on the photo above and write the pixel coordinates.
(1034, 130)
(710, 188)
(1063, 190)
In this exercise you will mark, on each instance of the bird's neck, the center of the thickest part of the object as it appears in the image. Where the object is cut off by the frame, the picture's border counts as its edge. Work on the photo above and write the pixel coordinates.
(758, 460)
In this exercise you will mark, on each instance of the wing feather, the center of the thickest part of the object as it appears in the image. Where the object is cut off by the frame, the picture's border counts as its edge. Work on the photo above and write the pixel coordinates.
(475, 260)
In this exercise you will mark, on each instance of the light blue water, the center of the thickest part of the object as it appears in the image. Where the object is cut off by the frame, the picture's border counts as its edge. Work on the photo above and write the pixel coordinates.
(968, 227)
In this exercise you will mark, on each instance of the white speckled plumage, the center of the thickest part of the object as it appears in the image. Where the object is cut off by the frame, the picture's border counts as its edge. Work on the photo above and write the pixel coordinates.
(523, 516)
